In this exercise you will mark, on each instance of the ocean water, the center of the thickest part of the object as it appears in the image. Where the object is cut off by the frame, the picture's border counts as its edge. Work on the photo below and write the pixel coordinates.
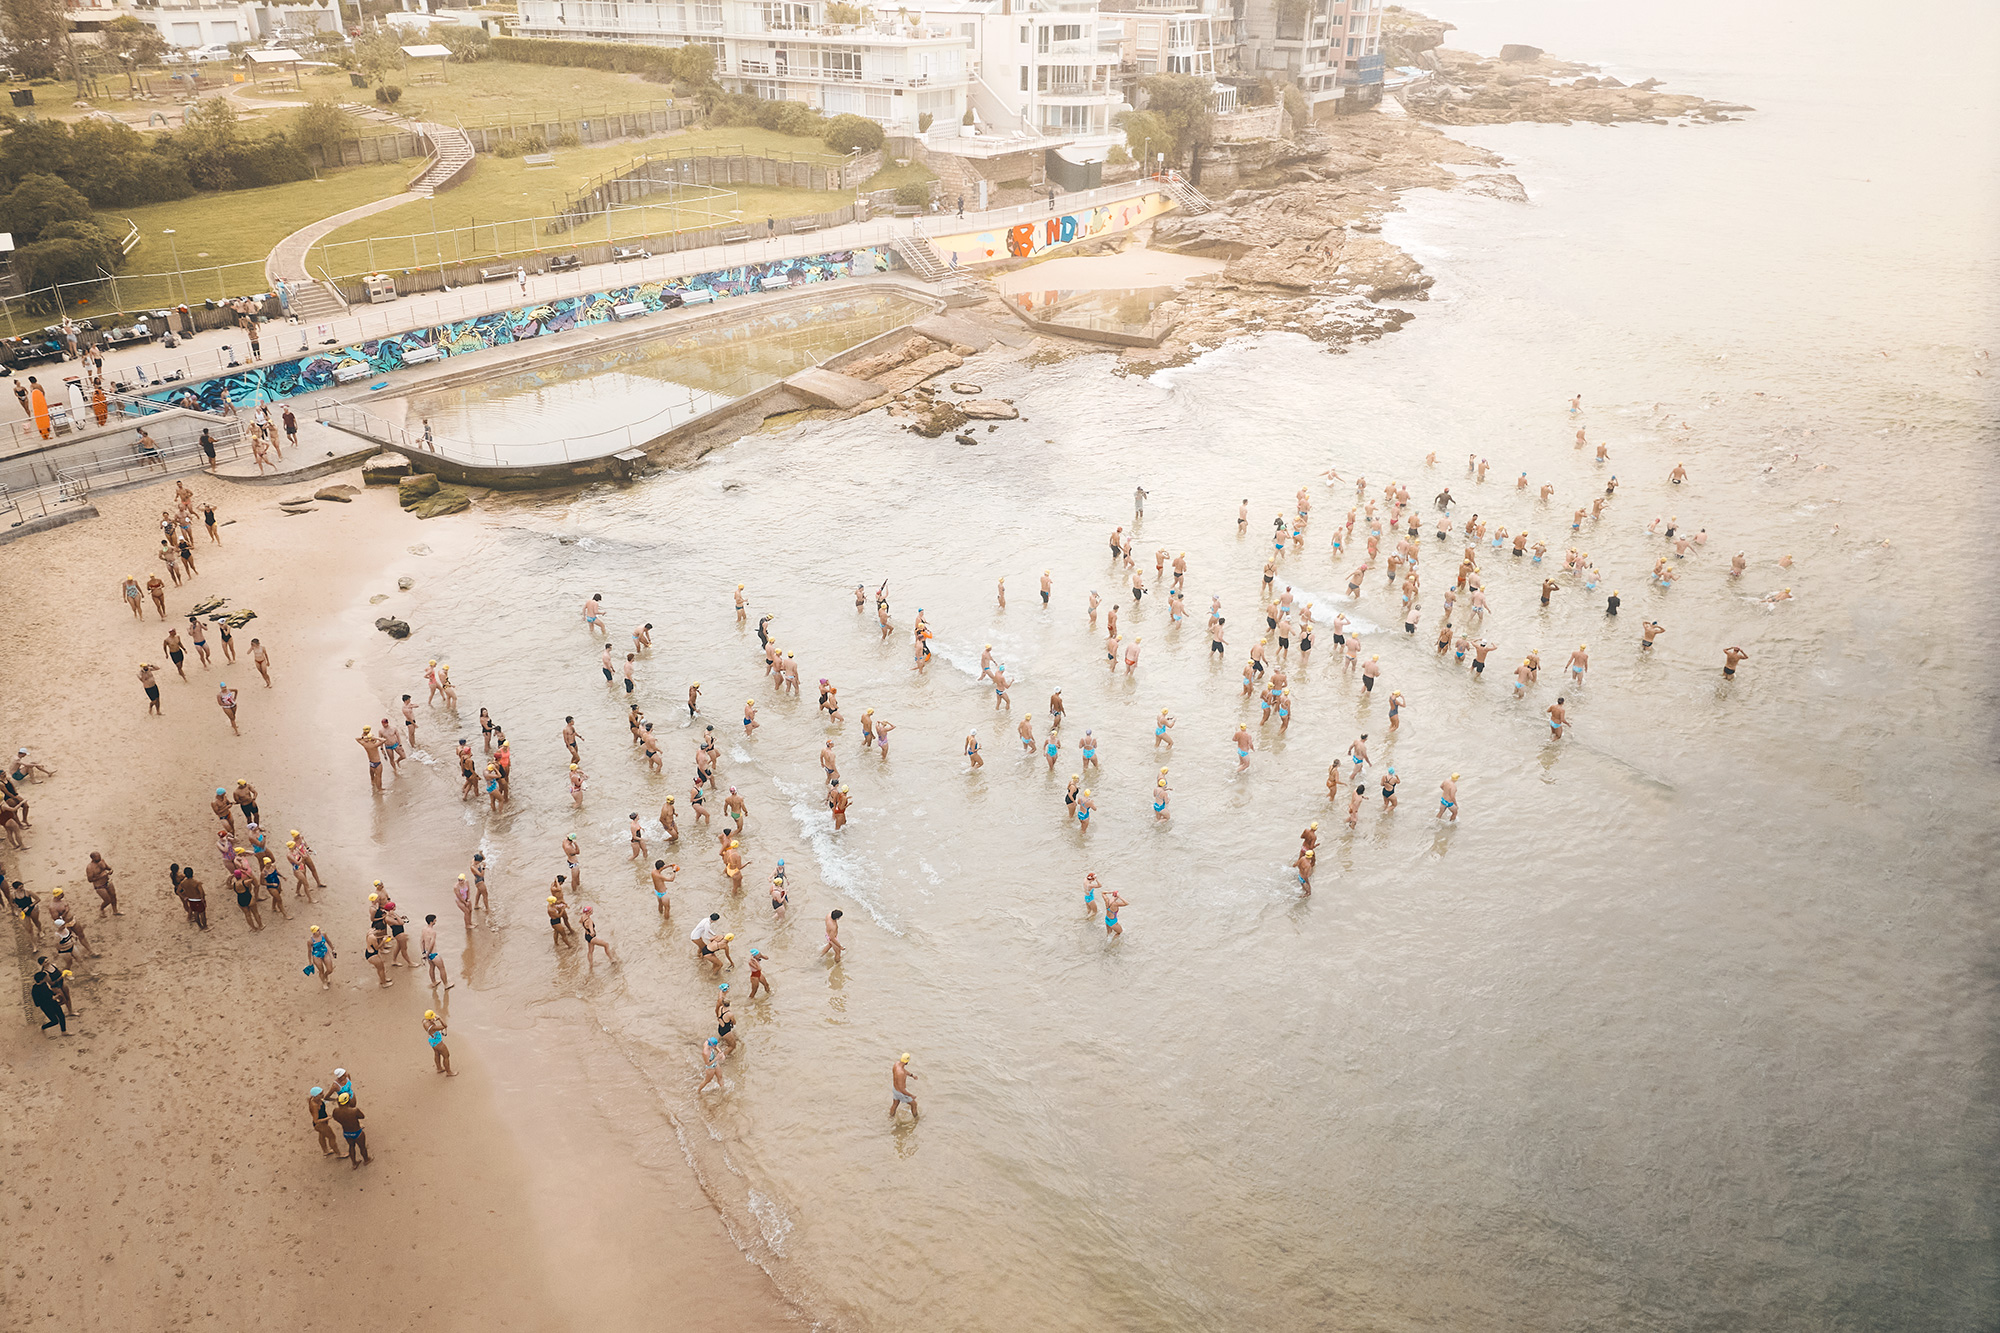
(1686, 1024)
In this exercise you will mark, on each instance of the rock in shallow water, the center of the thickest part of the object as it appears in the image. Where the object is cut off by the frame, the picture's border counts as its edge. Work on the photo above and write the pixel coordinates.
(447, 500)
(412, 489)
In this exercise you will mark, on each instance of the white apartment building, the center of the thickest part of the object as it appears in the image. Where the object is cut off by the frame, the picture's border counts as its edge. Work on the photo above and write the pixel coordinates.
(210, 23)
(893, 69)
(1043, 68)
(1323, 46)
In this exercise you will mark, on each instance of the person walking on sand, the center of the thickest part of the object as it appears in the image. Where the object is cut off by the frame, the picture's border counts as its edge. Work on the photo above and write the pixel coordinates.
(319, 958)
(833, 945)
(98, 872)
(225, 699)
(900, 1075)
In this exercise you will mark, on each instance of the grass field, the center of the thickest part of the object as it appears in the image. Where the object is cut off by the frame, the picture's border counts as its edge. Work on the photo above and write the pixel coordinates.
(495, 92)
(891, 176)
(485, 215)
(235, 229)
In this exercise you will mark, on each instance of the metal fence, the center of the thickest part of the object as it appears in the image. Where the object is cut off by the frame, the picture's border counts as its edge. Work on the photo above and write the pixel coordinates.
(66, 425)
(570, 449)
(77, 478)
(118, 294)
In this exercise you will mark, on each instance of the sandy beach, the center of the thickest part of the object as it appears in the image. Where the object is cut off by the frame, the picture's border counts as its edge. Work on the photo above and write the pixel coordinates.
(162, 1172)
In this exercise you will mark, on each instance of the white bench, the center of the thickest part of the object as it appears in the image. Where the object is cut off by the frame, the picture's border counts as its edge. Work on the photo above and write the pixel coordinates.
(697, 296)
(777, 282)
(347, 374)
(627, 310)
(539, 160)
(418, 356)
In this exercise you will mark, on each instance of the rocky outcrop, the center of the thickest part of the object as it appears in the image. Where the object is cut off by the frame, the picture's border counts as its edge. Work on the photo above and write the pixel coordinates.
(913, 373)
(989, 409)
(385, 469)
(1496, 185)
(445, 500)
(339, 494)
(1471, 90)
(412, 489)
(394, 628)
(868, 367)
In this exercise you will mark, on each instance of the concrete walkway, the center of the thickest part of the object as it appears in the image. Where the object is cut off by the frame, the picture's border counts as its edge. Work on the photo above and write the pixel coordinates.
(209, 352)
(287, 259)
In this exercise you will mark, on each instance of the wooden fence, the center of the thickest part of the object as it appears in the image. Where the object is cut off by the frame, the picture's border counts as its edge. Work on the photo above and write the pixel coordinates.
(485, 138)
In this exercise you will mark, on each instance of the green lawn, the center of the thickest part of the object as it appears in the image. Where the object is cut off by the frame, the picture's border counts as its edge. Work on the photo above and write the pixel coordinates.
(234, 231)
(491, 92)
(236, 228)
(891, 176)
(485, 215)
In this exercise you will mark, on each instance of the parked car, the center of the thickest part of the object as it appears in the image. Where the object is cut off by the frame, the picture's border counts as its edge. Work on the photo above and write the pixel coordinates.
(201, 54)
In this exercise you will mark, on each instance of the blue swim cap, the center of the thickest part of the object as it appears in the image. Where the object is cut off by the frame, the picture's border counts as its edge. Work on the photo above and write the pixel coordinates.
(723, 986)
(318, 1092)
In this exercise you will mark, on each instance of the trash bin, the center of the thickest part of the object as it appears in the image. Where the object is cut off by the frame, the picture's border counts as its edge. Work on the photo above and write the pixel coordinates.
(22, 96)
(358, 80)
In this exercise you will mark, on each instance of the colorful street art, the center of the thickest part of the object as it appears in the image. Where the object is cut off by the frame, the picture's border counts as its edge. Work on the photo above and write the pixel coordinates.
(1024, 240)
(323, 370)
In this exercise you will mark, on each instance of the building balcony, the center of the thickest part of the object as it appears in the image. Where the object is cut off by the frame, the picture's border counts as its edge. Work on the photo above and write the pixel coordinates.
(771, 69)
(1076, 94)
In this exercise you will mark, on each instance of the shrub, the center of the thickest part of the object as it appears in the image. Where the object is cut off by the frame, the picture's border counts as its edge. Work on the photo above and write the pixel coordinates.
(1118, 157)
(1295, 107)
(966, 119)
(566, 139)
(794, 118)
(689, 63)
(924, 122)
(508, 148)
(844, 134)
(916, 194)
(389, 92)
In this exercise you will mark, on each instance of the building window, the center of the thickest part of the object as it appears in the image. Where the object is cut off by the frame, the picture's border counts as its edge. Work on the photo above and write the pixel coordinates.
(1024, 78)
(1024, 34)
(1354, 46)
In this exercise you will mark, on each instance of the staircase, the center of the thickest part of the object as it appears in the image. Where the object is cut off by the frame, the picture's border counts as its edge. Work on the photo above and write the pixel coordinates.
(314, 304)
(922, 257)
(451, 159)
(1191, 200)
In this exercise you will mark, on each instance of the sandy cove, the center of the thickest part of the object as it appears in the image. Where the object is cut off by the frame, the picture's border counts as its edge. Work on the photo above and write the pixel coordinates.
(161, 1170)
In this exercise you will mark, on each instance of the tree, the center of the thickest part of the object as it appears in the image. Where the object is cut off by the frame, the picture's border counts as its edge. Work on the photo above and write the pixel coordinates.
(1296, 108)
(210, 136)
(37, 35)
(378, 51)
(126, 36)
(38, 203)
(1145, 135)
(323, 125)
(694, 64)
(840, 12)
(846, 133)
(1183, 104)
(465, 42)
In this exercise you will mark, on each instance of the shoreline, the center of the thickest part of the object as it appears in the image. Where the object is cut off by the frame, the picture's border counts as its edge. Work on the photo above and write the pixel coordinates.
(158, 1165)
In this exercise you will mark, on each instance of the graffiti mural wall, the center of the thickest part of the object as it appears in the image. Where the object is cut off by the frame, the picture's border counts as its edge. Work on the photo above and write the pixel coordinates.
(1025, 240)
(323, 370)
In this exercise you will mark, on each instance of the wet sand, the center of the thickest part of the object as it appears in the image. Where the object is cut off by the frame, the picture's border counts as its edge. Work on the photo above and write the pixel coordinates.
(162, 1171)
(1137, 267)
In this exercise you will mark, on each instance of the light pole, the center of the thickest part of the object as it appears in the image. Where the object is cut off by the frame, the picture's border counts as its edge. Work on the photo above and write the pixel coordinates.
(436, 246)
(168, 232)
